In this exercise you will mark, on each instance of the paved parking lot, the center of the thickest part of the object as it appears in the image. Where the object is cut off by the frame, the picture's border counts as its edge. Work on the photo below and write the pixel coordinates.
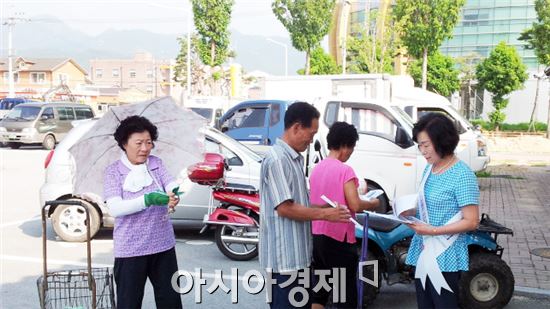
(516, 195)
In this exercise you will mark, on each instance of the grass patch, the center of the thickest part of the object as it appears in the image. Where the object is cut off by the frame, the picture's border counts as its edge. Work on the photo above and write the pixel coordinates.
(483, 174)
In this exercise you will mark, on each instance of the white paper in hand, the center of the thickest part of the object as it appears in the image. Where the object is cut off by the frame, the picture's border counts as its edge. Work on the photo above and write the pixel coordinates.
(371, 195)
(400, 206)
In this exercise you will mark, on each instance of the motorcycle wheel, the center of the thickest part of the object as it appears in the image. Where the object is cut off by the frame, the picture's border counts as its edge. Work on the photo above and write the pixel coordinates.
(237, 251)
(489, 283)
(370, 291)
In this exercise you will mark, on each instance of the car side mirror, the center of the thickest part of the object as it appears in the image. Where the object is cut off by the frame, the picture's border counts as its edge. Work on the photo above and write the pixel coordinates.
(44, 118)
(402, 139)
(317, 145)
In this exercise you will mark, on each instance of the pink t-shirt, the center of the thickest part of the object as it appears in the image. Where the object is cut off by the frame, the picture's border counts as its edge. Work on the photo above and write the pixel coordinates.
(328, 178)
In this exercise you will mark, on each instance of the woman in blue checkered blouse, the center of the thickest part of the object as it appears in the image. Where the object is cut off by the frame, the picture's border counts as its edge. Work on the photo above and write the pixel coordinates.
(448, 203)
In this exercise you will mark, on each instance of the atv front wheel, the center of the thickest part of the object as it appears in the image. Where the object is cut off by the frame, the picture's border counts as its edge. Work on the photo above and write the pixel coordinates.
(489, 283)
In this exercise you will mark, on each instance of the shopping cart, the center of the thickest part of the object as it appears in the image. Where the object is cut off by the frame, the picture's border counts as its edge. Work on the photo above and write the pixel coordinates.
(76, 288)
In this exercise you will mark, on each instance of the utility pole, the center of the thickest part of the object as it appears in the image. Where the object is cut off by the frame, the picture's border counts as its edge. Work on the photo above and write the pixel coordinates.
(11, 23)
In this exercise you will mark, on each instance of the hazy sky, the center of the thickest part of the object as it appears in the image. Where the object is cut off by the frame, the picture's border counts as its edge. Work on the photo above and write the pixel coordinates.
(161, 16)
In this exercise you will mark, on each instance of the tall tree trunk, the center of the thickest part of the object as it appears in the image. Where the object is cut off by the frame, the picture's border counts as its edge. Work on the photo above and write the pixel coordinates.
(532, 119)
(212, 53)
(307, 62)
(425, 69)
(548, 120)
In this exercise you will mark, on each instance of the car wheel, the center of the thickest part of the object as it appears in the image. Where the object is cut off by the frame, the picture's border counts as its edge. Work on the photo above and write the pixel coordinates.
(384, 205)
(489, 282)
(49, 142)
(69, 221)
(14, 145)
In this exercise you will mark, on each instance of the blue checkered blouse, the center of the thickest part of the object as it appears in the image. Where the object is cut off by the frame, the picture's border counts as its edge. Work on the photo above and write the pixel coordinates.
(445, 195)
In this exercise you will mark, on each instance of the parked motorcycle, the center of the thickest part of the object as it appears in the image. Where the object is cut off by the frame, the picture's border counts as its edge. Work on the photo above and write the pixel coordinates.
(236, 219)
(489, 282)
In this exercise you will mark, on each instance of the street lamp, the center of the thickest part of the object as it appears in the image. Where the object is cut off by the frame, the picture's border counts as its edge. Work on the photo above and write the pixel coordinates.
(286, 53)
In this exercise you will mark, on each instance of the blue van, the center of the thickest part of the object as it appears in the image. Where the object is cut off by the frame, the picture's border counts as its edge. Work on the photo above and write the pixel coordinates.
(258, 122)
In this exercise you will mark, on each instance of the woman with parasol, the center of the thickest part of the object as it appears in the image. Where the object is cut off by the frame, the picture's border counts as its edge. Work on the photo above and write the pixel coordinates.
(138, 190)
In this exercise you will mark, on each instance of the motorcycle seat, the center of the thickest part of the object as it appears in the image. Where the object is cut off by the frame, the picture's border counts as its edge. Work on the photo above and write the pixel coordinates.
(382, 224)
(240, 187)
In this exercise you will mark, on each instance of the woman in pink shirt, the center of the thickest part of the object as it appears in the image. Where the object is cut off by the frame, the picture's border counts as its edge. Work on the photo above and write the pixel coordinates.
(334, 243)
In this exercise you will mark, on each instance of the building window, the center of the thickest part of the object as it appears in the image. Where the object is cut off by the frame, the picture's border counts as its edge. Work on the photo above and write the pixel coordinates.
(132, 73)
(38, 77)
(149, 73)
(116, 73)
(15, 77)
(63, 78)
(98, 73)
(149, 89)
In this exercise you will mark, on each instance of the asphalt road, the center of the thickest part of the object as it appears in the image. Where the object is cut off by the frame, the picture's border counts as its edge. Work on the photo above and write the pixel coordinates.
(21, 260)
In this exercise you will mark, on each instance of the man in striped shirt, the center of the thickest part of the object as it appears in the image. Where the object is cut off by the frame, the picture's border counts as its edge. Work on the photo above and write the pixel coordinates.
(285, 230)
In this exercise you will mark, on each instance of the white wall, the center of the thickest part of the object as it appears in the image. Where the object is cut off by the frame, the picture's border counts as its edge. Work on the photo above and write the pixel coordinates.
(520, 103)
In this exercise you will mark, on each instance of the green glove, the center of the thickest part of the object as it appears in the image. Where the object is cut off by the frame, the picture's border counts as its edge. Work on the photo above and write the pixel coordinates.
(156, 198)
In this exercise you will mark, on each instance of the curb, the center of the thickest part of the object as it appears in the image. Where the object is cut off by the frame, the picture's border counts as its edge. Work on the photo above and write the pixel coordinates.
(531, 292)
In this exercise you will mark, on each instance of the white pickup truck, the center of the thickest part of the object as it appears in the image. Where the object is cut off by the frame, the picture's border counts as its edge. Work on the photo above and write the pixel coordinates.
(385, 155)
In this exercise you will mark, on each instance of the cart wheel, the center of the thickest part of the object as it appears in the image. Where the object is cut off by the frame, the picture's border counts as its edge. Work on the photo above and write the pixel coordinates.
(69, 222)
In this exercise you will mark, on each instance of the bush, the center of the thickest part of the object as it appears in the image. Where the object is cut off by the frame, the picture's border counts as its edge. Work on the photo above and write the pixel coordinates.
(521, 127)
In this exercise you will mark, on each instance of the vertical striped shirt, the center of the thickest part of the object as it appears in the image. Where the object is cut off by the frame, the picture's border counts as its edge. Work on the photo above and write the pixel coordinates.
(285, 244)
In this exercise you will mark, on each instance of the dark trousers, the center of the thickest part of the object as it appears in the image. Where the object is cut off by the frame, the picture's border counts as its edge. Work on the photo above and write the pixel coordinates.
(281, 297)
(131, 274)
(428, 298)
(329, 253)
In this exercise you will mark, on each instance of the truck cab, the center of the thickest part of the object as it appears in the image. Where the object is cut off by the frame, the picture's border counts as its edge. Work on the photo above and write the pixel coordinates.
(256, 123)
(472, 146)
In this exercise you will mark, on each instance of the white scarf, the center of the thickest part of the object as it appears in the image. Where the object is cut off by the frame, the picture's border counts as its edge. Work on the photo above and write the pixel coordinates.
(138, 177)
(434, 246)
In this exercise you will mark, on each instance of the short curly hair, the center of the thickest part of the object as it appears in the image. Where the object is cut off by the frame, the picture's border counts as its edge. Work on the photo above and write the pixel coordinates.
(131, 125)
(441, 130)
(341, 134)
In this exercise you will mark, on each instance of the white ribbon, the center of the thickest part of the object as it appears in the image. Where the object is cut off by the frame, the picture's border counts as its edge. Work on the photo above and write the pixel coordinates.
(138, 177)
(433, 246)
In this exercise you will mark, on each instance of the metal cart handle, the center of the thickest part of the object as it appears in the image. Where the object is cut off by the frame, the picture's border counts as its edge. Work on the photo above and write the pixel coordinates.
(91, 282)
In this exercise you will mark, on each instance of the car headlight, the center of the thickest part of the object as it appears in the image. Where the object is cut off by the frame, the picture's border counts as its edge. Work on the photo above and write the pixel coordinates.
(28, 130)
(2, 129)
(481, 148)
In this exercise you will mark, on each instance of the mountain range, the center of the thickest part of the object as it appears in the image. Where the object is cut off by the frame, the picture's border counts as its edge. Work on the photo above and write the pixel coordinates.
(55, 39)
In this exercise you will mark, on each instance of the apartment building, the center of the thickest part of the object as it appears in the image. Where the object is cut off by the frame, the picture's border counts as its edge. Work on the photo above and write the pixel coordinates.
(143, 72)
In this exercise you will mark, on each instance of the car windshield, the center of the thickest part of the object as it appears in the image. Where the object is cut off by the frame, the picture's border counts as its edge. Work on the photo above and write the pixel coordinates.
(205, 112)
(236, 144)
(23, 113)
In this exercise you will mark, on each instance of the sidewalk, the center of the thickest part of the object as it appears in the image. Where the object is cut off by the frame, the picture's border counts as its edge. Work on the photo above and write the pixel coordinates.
(517, 194)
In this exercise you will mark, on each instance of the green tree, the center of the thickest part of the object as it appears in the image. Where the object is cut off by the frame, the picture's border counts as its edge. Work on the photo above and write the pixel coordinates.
(538, 38)
(180, 68)
(321, 63)
(212, 18)
(501, 73)
(442, 74)
(307, 21)
(360, 56)
(424, 25)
